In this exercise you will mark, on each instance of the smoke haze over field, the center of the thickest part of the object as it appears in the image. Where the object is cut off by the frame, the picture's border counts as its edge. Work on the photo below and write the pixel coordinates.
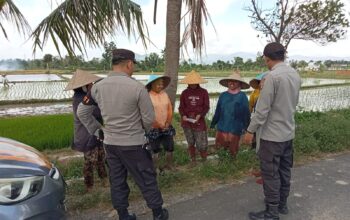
(10, 65)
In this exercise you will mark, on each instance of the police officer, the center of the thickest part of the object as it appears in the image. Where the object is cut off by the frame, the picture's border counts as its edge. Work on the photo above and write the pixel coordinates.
(274, 117)
(127, 112)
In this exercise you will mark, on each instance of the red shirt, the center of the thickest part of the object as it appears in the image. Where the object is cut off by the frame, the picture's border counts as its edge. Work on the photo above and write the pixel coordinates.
(194, 102)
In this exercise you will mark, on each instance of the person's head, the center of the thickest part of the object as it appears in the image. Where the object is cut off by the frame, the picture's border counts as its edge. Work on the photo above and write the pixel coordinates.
(157, 83)
(123, 60)
(193, 79)
(257, 81)
(83, 80)
(193, 86)
(234, 81)
(157, 86)
(234, 84)
(274, 53)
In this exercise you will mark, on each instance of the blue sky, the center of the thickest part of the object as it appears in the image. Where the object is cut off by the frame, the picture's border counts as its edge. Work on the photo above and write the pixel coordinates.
(233, 32)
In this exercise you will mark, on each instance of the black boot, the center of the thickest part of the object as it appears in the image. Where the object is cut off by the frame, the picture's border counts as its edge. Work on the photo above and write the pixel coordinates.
(163, 215)
(282, 207)
(124, 215)
(270, 213)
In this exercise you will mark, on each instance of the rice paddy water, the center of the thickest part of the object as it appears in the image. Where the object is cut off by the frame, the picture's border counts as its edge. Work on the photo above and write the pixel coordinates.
(51, 87)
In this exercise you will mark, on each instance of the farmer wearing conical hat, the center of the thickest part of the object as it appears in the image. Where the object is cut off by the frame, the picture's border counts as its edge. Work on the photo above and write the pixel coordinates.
(194, 105)
(232, 114)
(94, 156)
(162, 132)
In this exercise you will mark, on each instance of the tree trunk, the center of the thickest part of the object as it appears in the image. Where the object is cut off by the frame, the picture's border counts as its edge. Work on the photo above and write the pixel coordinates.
(172, 46)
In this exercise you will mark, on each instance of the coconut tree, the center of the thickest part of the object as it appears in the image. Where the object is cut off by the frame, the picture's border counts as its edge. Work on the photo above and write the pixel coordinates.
(9, 12)
(197, 13)
(77, 23)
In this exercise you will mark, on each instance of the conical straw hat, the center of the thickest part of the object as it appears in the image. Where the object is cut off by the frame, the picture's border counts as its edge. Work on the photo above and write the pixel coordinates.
(152, 78)
(236, 77)
(80, 79)
(193, 78)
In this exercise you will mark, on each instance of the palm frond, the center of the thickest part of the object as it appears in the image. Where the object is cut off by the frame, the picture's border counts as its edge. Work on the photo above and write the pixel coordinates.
(10, 12)
(197, 12)
(77, 23)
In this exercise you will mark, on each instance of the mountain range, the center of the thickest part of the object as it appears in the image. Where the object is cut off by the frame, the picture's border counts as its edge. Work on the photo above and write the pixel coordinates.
(210, 58)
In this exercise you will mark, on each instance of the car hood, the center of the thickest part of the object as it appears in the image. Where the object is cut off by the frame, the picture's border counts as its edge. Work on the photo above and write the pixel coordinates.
(20, 160)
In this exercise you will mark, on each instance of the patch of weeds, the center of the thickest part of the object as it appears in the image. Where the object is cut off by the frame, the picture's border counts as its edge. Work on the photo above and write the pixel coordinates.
(78, 199)
(72, 168)
(181, 156)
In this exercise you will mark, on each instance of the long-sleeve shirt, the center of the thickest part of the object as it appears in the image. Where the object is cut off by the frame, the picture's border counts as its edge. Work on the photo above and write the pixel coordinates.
(83, 141)
(162, 108)
(126, 109)
(274, 111)
(253, 98)
(194, 102)
(232, 113)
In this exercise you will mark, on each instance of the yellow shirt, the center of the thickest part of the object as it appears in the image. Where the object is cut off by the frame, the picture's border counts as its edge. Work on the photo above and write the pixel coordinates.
(162, 108)
(253, 98)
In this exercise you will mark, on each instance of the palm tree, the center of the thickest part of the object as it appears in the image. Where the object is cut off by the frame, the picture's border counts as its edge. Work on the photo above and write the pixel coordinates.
(9, 12)
(76, 23)
(197, 11)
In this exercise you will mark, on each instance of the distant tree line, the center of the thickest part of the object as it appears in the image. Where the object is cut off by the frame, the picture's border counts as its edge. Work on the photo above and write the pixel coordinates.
(155, 63)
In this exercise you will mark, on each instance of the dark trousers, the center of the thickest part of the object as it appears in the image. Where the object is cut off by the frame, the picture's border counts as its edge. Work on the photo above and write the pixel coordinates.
(138, 162)
(276, 161)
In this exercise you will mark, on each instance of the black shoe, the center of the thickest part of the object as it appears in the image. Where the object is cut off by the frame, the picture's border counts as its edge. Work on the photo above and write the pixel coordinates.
(270, 213)
(163, 216)
(129, 217)
(283, 209)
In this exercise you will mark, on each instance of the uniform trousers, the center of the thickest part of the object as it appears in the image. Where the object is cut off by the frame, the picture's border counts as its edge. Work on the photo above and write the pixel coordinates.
(276, 161)
(138, 162)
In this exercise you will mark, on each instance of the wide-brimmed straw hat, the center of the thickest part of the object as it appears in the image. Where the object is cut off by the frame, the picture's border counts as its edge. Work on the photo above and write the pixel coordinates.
(234, 77)
(152, 78)
(80, 79)
(255, 82)
(193, 77)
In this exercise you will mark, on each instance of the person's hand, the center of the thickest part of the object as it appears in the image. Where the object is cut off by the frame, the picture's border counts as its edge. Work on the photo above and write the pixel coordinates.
(166, 125)
(248, 138)
(99, 134)
(184, 118)
(197, 118)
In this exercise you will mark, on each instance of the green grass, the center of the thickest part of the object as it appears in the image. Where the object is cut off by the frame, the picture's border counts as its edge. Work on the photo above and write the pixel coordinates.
(40, 132)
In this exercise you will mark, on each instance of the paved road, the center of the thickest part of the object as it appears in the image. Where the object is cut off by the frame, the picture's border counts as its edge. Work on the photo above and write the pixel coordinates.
(320, 191)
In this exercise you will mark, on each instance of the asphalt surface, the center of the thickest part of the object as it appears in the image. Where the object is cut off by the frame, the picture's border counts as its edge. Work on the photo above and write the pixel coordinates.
(320, 191)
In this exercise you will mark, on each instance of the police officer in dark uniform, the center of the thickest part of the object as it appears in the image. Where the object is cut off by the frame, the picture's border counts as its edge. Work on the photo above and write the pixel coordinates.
(128, 113)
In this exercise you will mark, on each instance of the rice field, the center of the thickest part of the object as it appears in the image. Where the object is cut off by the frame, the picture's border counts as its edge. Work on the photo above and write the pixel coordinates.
(47, 86)
(50, 87)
